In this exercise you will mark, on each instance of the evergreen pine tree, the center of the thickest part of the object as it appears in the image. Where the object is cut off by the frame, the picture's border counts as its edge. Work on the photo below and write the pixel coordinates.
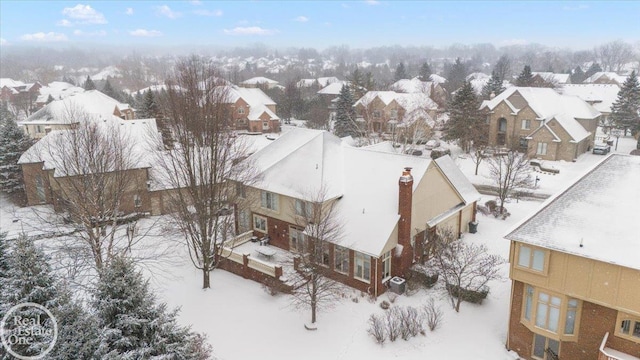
(625, 111)
(110, 91)
(88, 84)
(466, 122)
(4, 271)
(525, 78)
(29, 279)
(148, 108)
(369, 81)
(50, 99)
(493, 86)
(13, 142)
(401, 72)
(456, 75)
(425, 72)
(357, 80)
(345, 114)
(133, 325)
(577, 76)
(594, 68)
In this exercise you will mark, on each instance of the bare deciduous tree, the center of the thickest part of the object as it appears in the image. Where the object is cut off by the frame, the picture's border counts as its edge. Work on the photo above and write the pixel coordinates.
(463, 266)
(96, 176)
(206, 153)
(321, 224)
(614, 55)
(509, 173)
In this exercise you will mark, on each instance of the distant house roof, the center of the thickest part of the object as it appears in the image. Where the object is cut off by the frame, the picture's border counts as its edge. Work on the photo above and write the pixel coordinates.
(619, 79)
(414, 85)
(553, 77)
(302, 162)
(73, 108)
(596, 211)
(259, 80)
(322, 81)
(333, 88)
(409, 101)
(10, 83)
(437, 79)
(58, 90)
(600, 96)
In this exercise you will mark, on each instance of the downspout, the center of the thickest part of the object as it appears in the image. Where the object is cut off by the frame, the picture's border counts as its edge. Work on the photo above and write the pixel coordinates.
(375, 286)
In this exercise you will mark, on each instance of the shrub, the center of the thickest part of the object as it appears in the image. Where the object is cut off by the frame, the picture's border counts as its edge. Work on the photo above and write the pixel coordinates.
(436, 153)
(433, 314)
(394, 323)
(377, 329)
(471, 296)
(385, 305)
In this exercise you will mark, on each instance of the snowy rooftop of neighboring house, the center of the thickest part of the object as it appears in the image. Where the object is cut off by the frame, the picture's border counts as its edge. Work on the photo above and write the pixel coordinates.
(258, 80)
(257, 100)
(409, 102)
(135, 133)
(302, 161)
(546, 103)
(414, 85)
(553, 77)
(333, 88)
(58, 90)
(600, 96)
(8, 82)
(437, 79)
(71, 108)
(104, 74)
(609, 75)
(322, 81)
(597, 210)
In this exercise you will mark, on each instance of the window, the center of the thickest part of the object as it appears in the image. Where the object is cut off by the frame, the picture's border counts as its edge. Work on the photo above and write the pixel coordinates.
(39, 129)
(269, 201)
(296, 239)
(526, 124)
(302, 208)
(543, 346)
(531, 258)
(243, 221)
(40, 189)
(528, 301)
(386, 265)
(362, 267)
(524, 143)
(502, 125)
(393, 114)
(241, 191)
(548, 311)
(570, 319)
(325, 253)
(341, 257)
(542, 149)
(137, 201)
(376, 114)
(240, 110)
(260, 223)
(628, 327)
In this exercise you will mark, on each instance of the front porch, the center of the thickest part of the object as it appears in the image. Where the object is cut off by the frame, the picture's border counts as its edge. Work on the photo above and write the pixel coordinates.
(606, 353)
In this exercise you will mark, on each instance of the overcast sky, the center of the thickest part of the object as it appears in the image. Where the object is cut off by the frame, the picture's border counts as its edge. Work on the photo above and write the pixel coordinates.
(573, 24)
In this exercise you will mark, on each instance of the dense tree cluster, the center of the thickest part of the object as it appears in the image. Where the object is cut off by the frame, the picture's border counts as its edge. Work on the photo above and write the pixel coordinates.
(625, 111)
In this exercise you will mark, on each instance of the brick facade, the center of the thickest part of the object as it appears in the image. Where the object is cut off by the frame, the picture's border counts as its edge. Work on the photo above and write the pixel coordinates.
(595, 321)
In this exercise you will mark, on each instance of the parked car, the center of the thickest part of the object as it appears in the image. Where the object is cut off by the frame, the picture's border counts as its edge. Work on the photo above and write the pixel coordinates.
(601, 149)
(414, 152)
(432, 144)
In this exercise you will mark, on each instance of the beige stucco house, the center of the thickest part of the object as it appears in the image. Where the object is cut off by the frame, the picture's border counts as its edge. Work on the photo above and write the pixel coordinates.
(386, 203)
(575, 270)
(541, 122)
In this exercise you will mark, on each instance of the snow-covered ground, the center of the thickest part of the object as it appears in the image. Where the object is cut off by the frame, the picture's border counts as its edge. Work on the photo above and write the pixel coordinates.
(243, 321)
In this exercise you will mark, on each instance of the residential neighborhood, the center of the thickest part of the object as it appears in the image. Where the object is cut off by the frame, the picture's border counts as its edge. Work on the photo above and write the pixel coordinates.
(319, 180)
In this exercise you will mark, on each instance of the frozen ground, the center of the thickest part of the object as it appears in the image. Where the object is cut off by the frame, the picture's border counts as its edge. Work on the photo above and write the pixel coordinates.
(242, 321)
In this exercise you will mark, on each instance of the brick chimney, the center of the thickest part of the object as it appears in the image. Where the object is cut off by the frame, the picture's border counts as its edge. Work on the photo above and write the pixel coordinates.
(405, 195)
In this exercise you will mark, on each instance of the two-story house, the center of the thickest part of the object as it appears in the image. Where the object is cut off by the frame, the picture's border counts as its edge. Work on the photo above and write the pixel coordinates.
(385, 111)
(575, 270)
(386, 203)
(600, 96)
(252, 110)
(541, 122)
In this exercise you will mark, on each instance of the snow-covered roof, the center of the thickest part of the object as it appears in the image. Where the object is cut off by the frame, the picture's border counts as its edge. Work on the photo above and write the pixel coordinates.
(258, 80)
(414, 85)
(74, 107)
(135, 133)
(553, 77)
(303, 162)
(608, 75)
(459, 181)
(10, 83)
(106, 73)
(437, 79)
(333, 88)
(58, 90)
(409, 101)
(597, 211)
(322, 81)
(600, 96)
(257, 100)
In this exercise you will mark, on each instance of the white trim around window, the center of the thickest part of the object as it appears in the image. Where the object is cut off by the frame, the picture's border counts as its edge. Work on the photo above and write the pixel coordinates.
(532, 259)
(362, 267)
(269, 200)
(259, 223)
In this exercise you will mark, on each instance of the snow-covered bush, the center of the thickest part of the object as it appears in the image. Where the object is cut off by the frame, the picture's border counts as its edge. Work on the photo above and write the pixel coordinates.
(433, 314)
(377, 328)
